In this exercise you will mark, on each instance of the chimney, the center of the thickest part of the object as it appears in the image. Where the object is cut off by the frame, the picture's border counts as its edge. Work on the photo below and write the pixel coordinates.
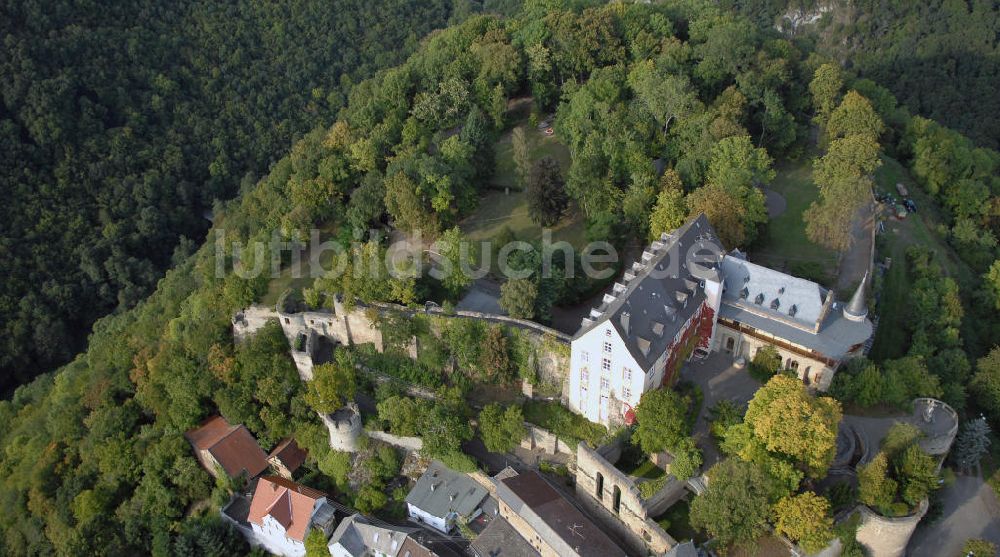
(625, 320)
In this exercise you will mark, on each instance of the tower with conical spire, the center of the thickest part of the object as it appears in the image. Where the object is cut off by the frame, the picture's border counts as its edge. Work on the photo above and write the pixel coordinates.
(856, 310)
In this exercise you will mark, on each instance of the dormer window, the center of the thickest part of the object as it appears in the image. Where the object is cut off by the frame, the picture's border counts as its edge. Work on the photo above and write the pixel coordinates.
(775, 304)
(759, 299)
(745, 293)
(793, 310)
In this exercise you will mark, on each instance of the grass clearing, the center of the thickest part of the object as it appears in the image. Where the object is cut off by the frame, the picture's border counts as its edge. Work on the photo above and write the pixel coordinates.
(677, 522)
(286, 282)
(648, 470)
(784, 245)
(498, 210)
(539, 145)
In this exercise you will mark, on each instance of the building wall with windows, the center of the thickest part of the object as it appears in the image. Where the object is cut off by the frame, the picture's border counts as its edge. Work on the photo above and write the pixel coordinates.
(605, 380)
(813, 369)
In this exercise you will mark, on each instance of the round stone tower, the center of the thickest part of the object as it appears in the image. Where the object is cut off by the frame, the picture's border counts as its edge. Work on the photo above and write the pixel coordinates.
(345, 428)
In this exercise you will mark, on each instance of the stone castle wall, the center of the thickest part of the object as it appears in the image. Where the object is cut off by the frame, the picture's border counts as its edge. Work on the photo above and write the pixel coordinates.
(597, 484)
(887, 537)
(543, 440)
(308, 329)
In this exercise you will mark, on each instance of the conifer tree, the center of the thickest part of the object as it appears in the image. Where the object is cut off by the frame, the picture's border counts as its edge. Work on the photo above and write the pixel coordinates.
(972, 443)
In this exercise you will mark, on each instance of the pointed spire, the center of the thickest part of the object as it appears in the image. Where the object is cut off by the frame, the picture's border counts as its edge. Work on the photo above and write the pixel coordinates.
(856, 309)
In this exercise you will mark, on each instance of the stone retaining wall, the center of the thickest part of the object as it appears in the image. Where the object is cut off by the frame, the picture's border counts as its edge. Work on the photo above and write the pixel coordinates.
(887, 537)
(413, 444)
(543, 440)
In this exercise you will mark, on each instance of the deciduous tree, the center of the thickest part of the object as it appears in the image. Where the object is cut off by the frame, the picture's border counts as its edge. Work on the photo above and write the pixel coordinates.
(825, 89)
(500, 428)
(805, 518)
(736, 506)
(518, 296)
(669, 212)
(662, 418)
(724, 211)
(332, 386)
(854, 116)
(792, 422)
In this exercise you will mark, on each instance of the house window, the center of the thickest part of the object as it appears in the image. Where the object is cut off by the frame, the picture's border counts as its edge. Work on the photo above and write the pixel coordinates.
(627, 374)
(607, 332)
(607, 347)
(585, 376)
(585, 356)
(605, 364)
(627, 393)
(605, 384)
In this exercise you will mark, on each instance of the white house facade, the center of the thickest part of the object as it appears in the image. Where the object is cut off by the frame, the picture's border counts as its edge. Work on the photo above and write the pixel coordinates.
(647, 325)
(282, 513)
(687, 293)
(441, 496)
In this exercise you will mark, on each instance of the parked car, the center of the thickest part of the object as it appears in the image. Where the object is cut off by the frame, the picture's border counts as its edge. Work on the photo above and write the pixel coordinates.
(699, 354)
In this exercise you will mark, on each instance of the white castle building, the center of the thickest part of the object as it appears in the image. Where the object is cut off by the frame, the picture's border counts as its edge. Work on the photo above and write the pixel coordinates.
(687, 293)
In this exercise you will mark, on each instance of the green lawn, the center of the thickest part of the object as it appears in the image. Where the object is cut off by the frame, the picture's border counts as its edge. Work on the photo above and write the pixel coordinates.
(539, 145)
(498, 210)
(648, 470)
(784, 245)
(286, 282)
(677, 523)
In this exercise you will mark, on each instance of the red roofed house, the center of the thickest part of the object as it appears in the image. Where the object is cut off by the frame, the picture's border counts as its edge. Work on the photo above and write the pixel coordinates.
(230, 448)
(286, 458)
(282, 512)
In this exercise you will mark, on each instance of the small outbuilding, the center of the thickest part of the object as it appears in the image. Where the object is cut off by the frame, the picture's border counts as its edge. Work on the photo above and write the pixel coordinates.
(442, 495)
(286, 458)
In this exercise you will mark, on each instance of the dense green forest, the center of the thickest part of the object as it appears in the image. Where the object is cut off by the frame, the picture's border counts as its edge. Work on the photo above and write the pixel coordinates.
(121, 126)
(93, 459)
(939, 58)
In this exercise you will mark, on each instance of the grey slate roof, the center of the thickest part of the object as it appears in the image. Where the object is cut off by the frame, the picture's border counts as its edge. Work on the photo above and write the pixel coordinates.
(499, 539)
(663, 294)
(856, 307)
(831, 334)
(440, 491)
(750, 282)
(686, 549)
(555, 520)
(836, 336)
(360, 537)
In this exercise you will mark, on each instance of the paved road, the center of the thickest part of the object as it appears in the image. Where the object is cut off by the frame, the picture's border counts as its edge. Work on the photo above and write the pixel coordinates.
(718, 380)
(971, 510)
(483, 296)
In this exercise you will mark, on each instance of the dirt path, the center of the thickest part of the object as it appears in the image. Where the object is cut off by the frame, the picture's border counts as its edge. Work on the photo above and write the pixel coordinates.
(857, 259)
(776, 204)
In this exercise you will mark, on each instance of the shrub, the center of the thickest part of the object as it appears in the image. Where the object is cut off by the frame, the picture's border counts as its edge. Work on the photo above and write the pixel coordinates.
(766, 362)
(725, 414)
